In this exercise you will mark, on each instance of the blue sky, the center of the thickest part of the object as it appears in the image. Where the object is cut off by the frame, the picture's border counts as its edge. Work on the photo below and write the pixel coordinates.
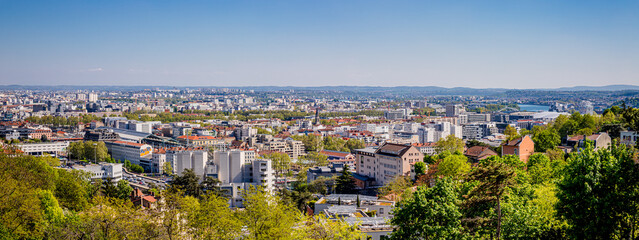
(511, 44)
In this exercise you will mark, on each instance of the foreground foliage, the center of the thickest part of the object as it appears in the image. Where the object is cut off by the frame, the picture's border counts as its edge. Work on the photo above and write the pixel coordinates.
(591, 195)
(38, 201)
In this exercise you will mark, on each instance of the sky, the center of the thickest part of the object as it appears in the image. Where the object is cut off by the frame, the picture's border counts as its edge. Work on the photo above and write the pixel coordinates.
(481, 44)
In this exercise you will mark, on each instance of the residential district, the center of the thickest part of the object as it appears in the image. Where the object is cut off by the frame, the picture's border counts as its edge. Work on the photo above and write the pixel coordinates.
(234, 163)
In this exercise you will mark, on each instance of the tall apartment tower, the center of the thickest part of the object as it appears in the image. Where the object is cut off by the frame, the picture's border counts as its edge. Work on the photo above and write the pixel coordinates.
(453, 110)
(93, 97)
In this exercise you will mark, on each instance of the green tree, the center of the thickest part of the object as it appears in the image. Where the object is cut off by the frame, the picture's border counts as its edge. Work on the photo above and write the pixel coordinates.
(124, 189)
(353, 144)
(322, 185)
(212, 218)
(492, 178)
(298, 197)
(266, 217)
(540, 168)
(73, 189)
(596, 184)
(52, 211)
(345, 183)
(454, 166)
(89, 150)
(109, 188)
(510, 132)
(136, 168)
(450, 143)
(167, 169)
(188, 183)
(211, 185)
(76, 149)
(314, 159)
(281, 162)
(311, 142)
(319, 227)
(398, 186)
(630, 118)
(420, 168)
(431, 213)
(546, 139)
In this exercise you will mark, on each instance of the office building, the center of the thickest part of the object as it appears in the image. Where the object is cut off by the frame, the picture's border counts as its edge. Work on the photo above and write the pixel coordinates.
(136, 153)
(53, 148)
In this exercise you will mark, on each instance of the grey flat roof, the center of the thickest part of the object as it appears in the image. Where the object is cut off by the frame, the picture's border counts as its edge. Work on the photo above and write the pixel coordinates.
(349, 197)
(368, 221)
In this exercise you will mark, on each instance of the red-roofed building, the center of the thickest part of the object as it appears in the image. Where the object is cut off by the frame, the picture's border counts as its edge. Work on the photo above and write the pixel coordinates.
(600, 141)
(38, 133)
(478, 153)
(522, 147)
(337, 157)
(140, 199)
(426, 148)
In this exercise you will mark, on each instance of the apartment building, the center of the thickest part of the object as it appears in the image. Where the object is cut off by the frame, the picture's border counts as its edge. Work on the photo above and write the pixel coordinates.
(432, 132)
(199, 140)
(237, 173)
(194, 160)
(426, 148)
(386, 162)
(293, 148)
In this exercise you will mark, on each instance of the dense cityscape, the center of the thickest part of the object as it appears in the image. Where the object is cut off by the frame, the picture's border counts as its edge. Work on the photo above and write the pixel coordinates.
(307, 163)
(319, 120)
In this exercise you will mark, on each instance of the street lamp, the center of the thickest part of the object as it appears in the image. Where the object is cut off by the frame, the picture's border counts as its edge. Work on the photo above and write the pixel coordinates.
(95, 152)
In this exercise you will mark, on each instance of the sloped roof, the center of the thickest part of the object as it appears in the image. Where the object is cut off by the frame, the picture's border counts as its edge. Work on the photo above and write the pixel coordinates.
(480, 152)
(334, 153)
(581, 137)
(197, 137)
(393, 149)
(516, 141)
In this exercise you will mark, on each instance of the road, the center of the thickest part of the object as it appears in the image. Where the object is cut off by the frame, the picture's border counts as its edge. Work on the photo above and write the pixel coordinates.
(143, 180)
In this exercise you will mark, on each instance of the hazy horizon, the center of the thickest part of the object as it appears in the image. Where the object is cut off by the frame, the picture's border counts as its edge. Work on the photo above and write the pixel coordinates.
(487, 44)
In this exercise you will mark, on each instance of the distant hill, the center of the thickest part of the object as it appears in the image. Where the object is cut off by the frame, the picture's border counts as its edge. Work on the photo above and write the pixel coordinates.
(599, 88)
(378, 89)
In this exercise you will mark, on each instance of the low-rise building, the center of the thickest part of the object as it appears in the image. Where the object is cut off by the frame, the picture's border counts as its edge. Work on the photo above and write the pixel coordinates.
(426, 148)
(600, 141)
(324, 171)
(40, 133)
(478, 153)
(199, 140)
(522, 147)
(382, 208)
(53, 148)
(629, 138)
(101, 135)
(339, 158)
(102, 170)
(140, 199)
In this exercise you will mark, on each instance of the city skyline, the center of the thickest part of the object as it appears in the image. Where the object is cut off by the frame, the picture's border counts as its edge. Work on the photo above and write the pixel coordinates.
(234, 44)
